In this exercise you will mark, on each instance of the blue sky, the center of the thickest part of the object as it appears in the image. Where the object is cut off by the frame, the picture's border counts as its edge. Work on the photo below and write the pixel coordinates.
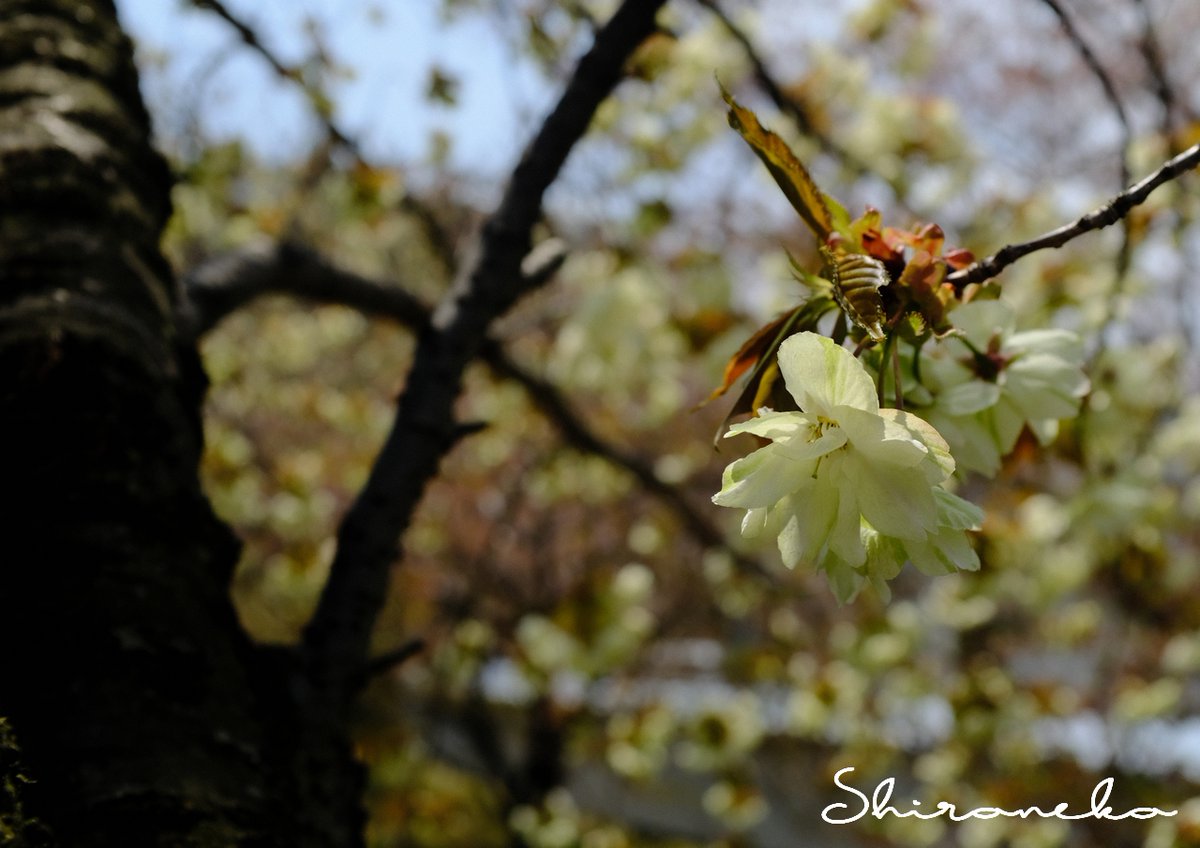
(194, 69)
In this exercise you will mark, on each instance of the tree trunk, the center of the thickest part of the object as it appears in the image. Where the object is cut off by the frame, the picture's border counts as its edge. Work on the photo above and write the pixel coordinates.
(142, 711)
(127, 677)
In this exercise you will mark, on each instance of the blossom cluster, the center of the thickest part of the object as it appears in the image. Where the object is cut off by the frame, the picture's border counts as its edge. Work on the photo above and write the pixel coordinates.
(857, 490)
(990, 382)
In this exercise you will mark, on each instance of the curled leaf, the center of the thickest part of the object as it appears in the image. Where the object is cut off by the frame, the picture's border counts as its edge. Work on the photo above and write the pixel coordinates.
(867, 222)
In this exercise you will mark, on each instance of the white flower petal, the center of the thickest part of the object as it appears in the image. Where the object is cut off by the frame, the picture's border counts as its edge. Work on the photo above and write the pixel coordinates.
(975, 446)
(1061, 343)
(1005, 421)
(894, 501)
(885, 558)
(880, 437)
(954, 550)
(761, 479)
(980, 320)
(969, 398)
(827, 442)
(927, 558)
(845, 540)
(768, 521)
(1044, 386)
(822, 375)
(955, 513)
(754, 522)
(803, 537)
(941, 371)
(1045, 430)
(844, 579)
(941, 463)
(775, 425)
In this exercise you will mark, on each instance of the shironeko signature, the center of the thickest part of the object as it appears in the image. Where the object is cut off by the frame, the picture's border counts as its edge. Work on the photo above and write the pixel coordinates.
(877, 806)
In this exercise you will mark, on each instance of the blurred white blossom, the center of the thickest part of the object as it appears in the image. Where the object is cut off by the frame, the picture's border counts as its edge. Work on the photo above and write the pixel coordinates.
(990, 381)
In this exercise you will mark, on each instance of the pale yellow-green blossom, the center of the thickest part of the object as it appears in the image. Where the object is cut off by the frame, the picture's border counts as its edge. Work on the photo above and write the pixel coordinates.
(848, 487)
(991, 381)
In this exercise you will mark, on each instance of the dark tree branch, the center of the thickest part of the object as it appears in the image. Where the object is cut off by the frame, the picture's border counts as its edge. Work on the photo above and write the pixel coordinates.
(336, 642)
(338, 635)
(1111, 212)
(227, 283)
(386, 662)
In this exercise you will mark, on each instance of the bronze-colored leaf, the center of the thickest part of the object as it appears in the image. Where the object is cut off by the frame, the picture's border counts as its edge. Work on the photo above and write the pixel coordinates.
(766, 383)
(748, 354)
(959, 258)
(784, 166)
(927, 237)
(763, 377)
(922, 277)
(873, 244)
(868, 222)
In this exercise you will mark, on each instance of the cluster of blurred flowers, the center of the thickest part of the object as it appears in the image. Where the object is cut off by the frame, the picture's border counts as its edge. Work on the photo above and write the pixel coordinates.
(984, 385)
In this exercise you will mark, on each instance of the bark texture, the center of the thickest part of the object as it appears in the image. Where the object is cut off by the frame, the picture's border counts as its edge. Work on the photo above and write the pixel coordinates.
(126, 673)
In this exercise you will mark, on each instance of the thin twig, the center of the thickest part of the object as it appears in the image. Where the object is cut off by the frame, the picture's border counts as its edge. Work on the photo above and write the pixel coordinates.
(766, 81)
(1102, 76)
(388, 661)
(250, 39)
(1111, 212)
(1151, 50)
(438, 238)
(1092, 61)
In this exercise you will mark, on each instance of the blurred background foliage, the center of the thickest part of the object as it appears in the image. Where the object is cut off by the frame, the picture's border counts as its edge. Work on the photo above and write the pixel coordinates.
(599, 669)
